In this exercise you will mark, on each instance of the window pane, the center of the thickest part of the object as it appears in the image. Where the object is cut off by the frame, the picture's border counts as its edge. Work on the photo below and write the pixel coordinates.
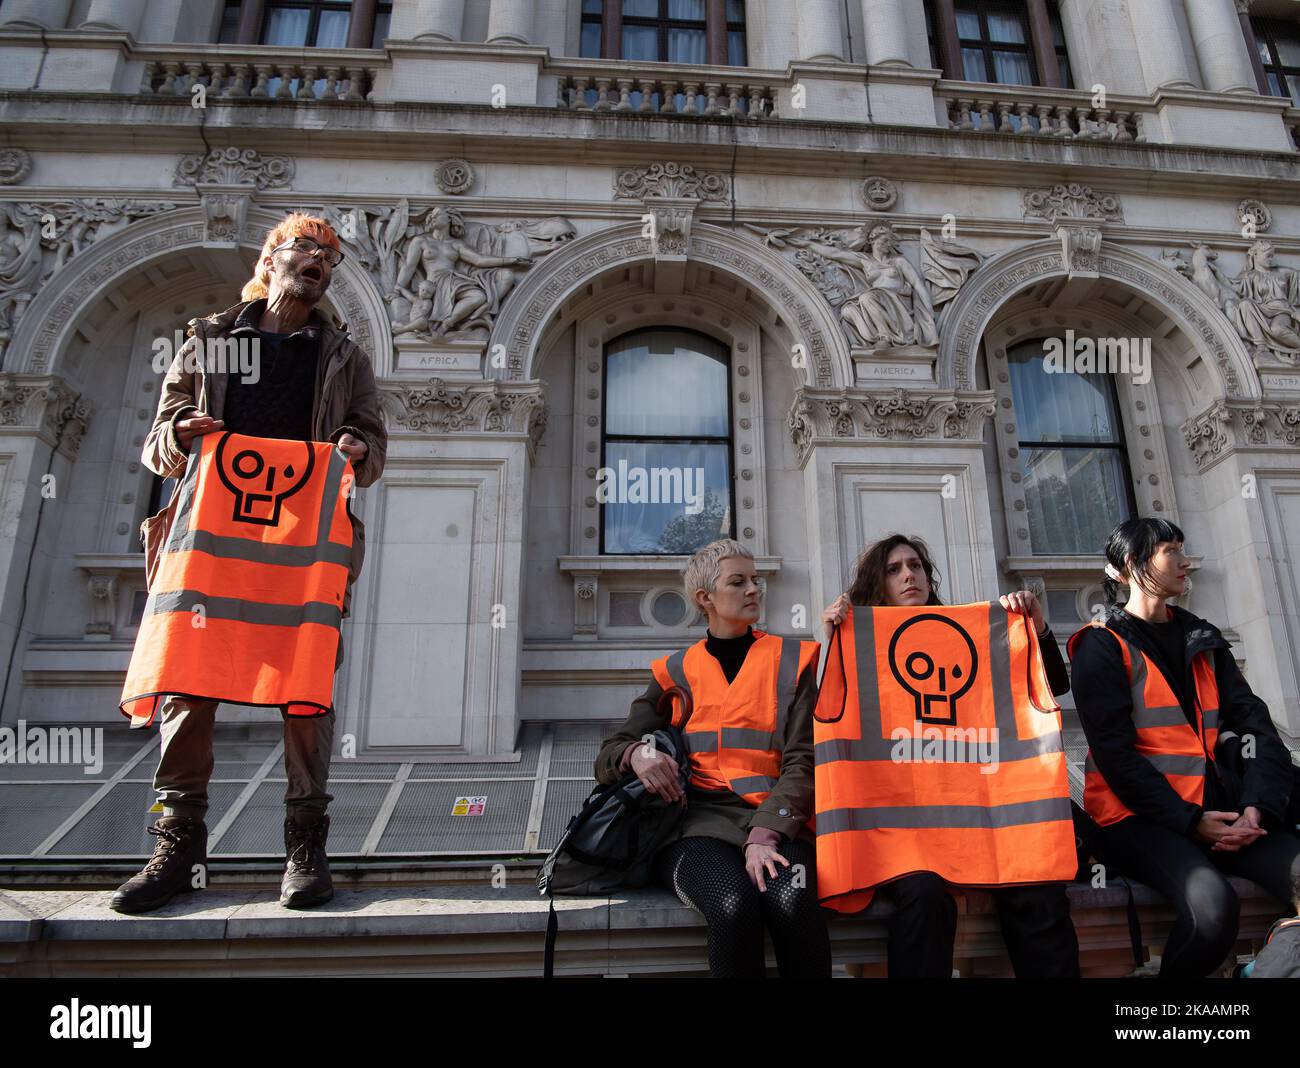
(1012, 68)
(333, 29)
(1067, 76)
(686, 46)
(590, 39)
(1060, 406)
(1006, 26)
(641, 8)
(735, 10)
(1293, 84)
(1058, 31)
(968, 24)
(690, 482)
(1261, 45)
(686, 9)
(736, 56)
(1288, 49)
(383, 20)
(640, 42)
(288, 26)
(229, 24)
(591, 7)
(665, 382)
(1075, 497)
(972, 65)
(1275, 84)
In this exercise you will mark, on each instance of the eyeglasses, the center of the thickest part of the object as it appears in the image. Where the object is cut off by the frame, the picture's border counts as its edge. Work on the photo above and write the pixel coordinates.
(308, 247)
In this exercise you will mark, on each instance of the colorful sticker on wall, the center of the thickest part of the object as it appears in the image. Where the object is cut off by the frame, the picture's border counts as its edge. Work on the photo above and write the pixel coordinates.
(469, 806)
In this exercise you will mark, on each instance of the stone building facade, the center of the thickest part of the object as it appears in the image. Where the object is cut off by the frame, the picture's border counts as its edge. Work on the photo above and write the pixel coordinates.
(813, 252)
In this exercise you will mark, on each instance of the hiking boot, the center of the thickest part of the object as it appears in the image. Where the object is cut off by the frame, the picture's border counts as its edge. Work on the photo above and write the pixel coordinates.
(307, 872)
(182, 843)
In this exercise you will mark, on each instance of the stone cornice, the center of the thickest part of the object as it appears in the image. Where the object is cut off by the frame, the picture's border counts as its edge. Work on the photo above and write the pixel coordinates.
(1236, 426)
(438, 408)
(45, 406)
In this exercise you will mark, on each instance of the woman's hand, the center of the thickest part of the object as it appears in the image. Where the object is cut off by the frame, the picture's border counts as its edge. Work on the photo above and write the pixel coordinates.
(657, 772)
(1219, 828)
(835, 614)
(759, 859)
(1246, 828)
(1026, 602)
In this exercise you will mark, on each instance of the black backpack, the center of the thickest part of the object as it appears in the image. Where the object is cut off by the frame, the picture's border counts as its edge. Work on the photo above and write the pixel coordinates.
(612, 841)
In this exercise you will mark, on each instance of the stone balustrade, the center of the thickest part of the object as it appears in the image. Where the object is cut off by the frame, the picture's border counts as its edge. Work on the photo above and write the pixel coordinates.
(259, 73)
(663, 88)
(979, 108)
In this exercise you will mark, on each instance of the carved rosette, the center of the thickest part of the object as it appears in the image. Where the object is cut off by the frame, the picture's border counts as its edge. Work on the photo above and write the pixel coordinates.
(44, 405)
(492, 407)
(15, 166)
(1230, 425)
(896, 415)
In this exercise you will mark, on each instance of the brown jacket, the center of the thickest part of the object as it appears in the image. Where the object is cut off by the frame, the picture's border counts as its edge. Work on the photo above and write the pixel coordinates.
(345, 401)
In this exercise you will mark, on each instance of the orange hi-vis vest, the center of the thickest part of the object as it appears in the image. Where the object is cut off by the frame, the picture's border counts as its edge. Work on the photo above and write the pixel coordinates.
(247, 599)
(1164, 736)
(938, 748)
(736, 733)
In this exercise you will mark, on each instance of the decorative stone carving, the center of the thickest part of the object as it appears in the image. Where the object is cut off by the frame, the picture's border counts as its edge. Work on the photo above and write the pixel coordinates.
(1229, 425)
(1253, 214)
(225, 214)
(669, 180)
(1071, 201)
(894, 415)
(670, 238)
(490, 407)
(38, 239)
(45, 405)
(879, 194)
(1080, 248)
(15, 166)
(446, 278)
(234, 166)
(946, 265)
(883, 301)
(454, 176)
(103, 603)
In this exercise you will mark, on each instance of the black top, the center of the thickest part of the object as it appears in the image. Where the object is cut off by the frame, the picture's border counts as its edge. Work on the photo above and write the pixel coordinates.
(730, 652)
(279, 403)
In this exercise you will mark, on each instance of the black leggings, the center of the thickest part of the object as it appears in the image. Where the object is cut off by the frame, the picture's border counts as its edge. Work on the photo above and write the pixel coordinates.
(709, 875)
(1191, 877)
(1035, 925)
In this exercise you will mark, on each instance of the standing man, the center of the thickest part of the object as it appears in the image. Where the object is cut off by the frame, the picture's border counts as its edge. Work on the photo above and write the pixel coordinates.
(311, 383)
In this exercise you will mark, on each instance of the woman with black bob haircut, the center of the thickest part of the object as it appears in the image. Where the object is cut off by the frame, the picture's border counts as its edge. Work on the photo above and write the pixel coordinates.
(1186, 776)
(897, 571)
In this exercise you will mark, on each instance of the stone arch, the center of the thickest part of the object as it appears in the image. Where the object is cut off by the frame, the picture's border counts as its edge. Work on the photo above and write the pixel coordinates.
(812, 322)
(47, 324)
(1000, 278)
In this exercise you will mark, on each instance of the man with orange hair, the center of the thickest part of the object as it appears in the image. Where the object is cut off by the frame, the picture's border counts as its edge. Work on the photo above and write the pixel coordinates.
(312, 383)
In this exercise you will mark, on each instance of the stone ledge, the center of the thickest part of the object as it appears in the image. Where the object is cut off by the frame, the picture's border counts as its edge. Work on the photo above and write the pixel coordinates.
(461, 930)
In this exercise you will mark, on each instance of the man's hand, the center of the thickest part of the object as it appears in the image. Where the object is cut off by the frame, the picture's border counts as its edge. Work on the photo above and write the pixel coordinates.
(352, 447)
(195, 425)
(1246, 828)
(1219, 828)
(657, 771)
(761, 858)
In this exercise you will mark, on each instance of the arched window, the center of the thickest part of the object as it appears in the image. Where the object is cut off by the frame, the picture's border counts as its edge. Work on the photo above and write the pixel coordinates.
(1072, 455)
(665, 31)
(665, 480)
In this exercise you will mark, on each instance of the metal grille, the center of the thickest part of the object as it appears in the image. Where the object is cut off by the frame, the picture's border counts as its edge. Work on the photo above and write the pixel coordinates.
(29, 812)
(258, 830)
(116, 826)
(563, 800)
(353, 769)
(423, 822)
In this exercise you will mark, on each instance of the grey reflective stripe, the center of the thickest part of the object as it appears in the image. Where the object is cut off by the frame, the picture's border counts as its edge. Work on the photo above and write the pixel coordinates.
(753, 784)
(961, 749)
(677, 671)
(181, 524)
(1167, 716)
(261, 552)
(701, 741)
(329, 497)
(1176, 764)
(748, 738)
(1210, 719)
(786, 681)
(1137, 675)
(1048, 810)
(275, 615)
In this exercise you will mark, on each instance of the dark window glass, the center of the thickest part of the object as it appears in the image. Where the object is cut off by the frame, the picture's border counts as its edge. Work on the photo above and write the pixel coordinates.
(666, 443)
(1279, 51)
(1072, 454)
(229, 24)
(995, 42)
(667, 31)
